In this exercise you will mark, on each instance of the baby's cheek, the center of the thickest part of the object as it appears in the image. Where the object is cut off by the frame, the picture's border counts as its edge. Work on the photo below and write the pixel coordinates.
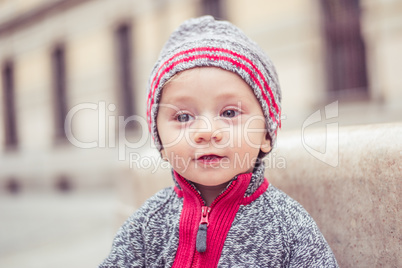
(254, 132)
(180, 161)
(169, 137)
(253, 140)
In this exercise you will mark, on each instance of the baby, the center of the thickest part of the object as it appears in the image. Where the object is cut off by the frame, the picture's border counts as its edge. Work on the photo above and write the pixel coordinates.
(213, 111)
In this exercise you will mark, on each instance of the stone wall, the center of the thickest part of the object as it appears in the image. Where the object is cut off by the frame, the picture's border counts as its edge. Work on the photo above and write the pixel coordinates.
(357, 203)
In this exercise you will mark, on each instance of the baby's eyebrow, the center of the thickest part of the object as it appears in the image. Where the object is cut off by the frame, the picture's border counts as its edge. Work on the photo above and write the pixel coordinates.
(187, 98)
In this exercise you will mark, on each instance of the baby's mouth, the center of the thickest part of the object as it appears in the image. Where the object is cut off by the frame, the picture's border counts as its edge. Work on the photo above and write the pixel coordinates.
(209, 159)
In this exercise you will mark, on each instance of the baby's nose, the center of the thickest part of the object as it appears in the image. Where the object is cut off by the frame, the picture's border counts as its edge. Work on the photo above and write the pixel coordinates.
(208, 136)
(206, 130)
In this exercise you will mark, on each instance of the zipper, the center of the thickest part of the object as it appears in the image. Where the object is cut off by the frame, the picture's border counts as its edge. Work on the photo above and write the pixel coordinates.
(201, 242)
(201, 239)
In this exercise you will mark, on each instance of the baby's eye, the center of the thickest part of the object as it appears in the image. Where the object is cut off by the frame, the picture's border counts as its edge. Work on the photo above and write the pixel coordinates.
(183, 118)
(230, 113)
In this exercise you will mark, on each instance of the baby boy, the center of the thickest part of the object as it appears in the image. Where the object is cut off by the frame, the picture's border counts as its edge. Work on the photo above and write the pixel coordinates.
(214, 106)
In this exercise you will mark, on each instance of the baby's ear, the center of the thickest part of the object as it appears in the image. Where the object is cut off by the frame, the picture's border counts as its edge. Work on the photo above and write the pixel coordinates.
(266, 144)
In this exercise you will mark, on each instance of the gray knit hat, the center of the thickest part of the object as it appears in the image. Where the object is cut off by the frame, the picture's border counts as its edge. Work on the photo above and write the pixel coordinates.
(204, 42)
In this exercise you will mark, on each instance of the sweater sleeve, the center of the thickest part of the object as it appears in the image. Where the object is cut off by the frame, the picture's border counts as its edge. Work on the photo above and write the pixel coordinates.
(308, 247)
(127, 250)
(136, 243)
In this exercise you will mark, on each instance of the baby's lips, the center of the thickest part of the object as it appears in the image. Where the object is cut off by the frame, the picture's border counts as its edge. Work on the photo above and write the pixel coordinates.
(209, 157)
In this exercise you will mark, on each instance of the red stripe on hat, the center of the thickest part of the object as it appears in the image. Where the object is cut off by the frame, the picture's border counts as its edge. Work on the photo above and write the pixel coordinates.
(212, 57)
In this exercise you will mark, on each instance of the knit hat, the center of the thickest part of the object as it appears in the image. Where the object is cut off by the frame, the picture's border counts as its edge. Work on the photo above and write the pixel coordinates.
(203, 42)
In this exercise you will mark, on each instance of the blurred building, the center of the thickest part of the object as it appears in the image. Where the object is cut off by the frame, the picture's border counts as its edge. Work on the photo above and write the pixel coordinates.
(74, 71)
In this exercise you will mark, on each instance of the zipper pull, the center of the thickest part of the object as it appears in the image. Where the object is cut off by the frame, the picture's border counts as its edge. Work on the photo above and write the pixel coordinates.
(201, 242)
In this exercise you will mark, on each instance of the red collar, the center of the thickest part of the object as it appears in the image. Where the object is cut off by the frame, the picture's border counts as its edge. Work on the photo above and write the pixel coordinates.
(218, 219)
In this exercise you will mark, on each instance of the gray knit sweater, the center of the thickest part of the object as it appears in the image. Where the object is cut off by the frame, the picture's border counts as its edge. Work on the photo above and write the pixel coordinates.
(269, 230)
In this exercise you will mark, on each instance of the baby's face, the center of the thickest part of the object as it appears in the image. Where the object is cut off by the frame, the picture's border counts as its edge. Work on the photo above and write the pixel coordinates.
(211, 125)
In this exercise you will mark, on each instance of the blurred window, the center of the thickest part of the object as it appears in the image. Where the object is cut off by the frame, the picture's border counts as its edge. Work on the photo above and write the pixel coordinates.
(59, 87)
(345, 50)
(124, 70)
(10, 125)
(213, 8)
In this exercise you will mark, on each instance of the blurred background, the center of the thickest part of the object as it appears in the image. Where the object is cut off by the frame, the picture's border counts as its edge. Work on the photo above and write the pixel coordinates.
(75, 155)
